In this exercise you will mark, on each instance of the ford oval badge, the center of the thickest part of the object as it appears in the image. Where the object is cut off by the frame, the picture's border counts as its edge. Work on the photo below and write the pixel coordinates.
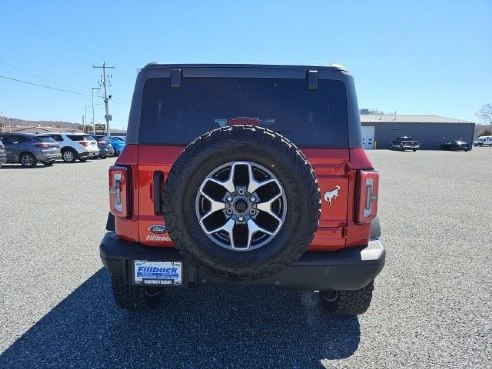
(158, 229)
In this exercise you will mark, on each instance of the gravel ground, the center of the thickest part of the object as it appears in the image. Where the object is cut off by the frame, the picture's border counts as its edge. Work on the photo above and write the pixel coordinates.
(432, 305)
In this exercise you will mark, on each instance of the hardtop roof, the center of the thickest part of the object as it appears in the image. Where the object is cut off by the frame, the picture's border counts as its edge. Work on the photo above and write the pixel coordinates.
(333, 67)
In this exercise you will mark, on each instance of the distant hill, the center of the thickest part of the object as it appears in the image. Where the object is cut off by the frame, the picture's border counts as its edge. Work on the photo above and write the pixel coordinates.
(49, 125)
(17, 123)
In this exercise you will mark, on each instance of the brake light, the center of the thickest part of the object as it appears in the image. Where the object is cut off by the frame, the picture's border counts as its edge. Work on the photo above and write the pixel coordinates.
(243, 120)
(84, 143)
(368, 187)
(119, 191)
(42, 145)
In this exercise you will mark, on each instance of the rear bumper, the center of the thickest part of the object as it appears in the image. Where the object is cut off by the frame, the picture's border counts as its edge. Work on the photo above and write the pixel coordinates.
(88, 154)
(106, 151)
(347, 269)
(48, 156)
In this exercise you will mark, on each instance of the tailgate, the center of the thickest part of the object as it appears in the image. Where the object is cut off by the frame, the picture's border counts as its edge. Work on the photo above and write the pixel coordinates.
(332, 170)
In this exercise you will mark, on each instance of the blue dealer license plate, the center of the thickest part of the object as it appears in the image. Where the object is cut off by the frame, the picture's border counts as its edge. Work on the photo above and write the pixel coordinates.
(157, 272)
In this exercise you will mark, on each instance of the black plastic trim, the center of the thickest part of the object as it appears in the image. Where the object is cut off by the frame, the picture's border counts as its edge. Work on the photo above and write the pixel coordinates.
(158, 178)
(312, 79)
(110, 223)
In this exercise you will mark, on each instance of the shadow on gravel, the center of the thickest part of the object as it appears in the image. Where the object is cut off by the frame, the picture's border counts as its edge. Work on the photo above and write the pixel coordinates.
(209, 327)
(20, 167)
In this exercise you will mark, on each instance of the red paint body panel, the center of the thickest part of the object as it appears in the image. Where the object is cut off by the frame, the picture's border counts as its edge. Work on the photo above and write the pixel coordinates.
(333, 167)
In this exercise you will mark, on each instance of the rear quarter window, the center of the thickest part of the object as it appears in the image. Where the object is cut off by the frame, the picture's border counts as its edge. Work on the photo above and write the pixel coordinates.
(44, 139)
(309, 118)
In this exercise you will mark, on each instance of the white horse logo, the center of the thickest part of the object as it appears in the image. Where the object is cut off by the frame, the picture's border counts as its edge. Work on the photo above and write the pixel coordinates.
(330, 195)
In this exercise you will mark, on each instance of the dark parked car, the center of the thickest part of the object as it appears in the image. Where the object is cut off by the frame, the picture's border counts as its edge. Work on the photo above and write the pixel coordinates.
(405, 143)
(3, 154)
(105, 146)
(455, 146)
(27, 149)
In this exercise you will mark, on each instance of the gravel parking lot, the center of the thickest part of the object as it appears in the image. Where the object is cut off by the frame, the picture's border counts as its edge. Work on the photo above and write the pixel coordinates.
(432, 305)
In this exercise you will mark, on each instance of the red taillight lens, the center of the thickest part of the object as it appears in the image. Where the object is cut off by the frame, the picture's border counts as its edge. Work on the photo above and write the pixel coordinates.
(119, 191)
(42, 145)
(84, 143)
(368, 187)
(243, 120)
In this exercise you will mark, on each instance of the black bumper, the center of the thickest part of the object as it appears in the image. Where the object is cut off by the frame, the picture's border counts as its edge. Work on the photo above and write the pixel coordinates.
(347, 269)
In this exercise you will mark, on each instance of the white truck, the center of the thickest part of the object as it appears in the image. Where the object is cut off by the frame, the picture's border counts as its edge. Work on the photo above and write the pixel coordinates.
(483, 141)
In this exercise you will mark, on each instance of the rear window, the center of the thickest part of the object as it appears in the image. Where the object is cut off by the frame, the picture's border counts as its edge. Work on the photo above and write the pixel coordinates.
(80, 138)
(310, 118)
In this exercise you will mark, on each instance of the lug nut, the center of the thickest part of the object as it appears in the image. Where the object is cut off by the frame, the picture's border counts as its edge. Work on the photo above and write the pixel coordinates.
(252, 199)
(241, 219)
(241, 191)
(229, 211)
(252, 212)
(229, 198)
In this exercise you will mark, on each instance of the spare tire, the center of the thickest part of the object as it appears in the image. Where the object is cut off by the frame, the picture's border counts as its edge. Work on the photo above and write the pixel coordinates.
(241, 202)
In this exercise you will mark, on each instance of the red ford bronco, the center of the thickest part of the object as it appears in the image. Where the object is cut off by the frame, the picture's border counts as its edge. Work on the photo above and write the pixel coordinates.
(243, 174)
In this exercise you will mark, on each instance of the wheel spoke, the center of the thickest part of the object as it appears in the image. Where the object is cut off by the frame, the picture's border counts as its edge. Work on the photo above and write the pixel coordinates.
(229, 183)
(266, 206)
(253, 184)
(214, 205)
(252, 229)
(228, 227)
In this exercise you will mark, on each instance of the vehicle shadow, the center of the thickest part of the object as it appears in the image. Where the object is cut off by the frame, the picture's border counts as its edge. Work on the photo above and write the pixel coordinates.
(19, 166)
(209, 327)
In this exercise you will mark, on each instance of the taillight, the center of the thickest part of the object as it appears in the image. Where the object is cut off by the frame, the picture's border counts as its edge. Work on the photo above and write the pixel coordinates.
(368, 187)
(42, 145)
(119, 191)
(84, 143)
(243, 120)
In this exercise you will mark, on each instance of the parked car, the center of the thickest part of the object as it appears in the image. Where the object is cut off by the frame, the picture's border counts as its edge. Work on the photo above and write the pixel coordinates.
(3, 154)
(242, 203)
(405, 143)
(456, 146)
(105, 146)
(28, 149)
(75, 146)
(483, 141)
(118, 144)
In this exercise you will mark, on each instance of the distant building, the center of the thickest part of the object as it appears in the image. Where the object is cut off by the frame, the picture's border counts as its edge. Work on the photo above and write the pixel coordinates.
(378, 130)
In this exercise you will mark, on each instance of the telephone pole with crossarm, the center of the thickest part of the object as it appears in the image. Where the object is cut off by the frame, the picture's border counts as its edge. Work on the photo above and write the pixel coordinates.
(106, 99)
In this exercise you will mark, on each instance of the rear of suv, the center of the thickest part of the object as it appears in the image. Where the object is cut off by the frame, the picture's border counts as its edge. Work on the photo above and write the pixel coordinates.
(244, 174)
(76, 146)
(105, 146)
(28, 149)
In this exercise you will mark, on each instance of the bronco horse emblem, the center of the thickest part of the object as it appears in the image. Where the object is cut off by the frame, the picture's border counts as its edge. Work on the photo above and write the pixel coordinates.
(333, 194)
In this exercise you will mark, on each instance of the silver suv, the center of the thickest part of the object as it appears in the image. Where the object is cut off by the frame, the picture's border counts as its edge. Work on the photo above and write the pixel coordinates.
(28, 149)
(75, 146)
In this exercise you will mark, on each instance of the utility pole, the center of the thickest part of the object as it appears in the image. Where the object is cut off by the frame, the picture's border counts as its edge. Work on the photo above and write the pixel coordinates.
(93, 122)
(84, 119)
(106, 99)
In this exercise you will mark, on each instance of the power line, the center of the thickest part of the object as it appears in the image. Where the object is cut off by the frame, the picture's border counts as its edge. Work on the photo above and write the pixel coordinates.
(44, 86)
(63, 85)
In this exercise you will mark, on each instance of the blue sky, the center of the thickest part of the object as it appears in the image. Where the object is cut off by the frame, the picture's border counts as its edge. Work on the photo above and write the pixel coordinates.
(412, 57)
